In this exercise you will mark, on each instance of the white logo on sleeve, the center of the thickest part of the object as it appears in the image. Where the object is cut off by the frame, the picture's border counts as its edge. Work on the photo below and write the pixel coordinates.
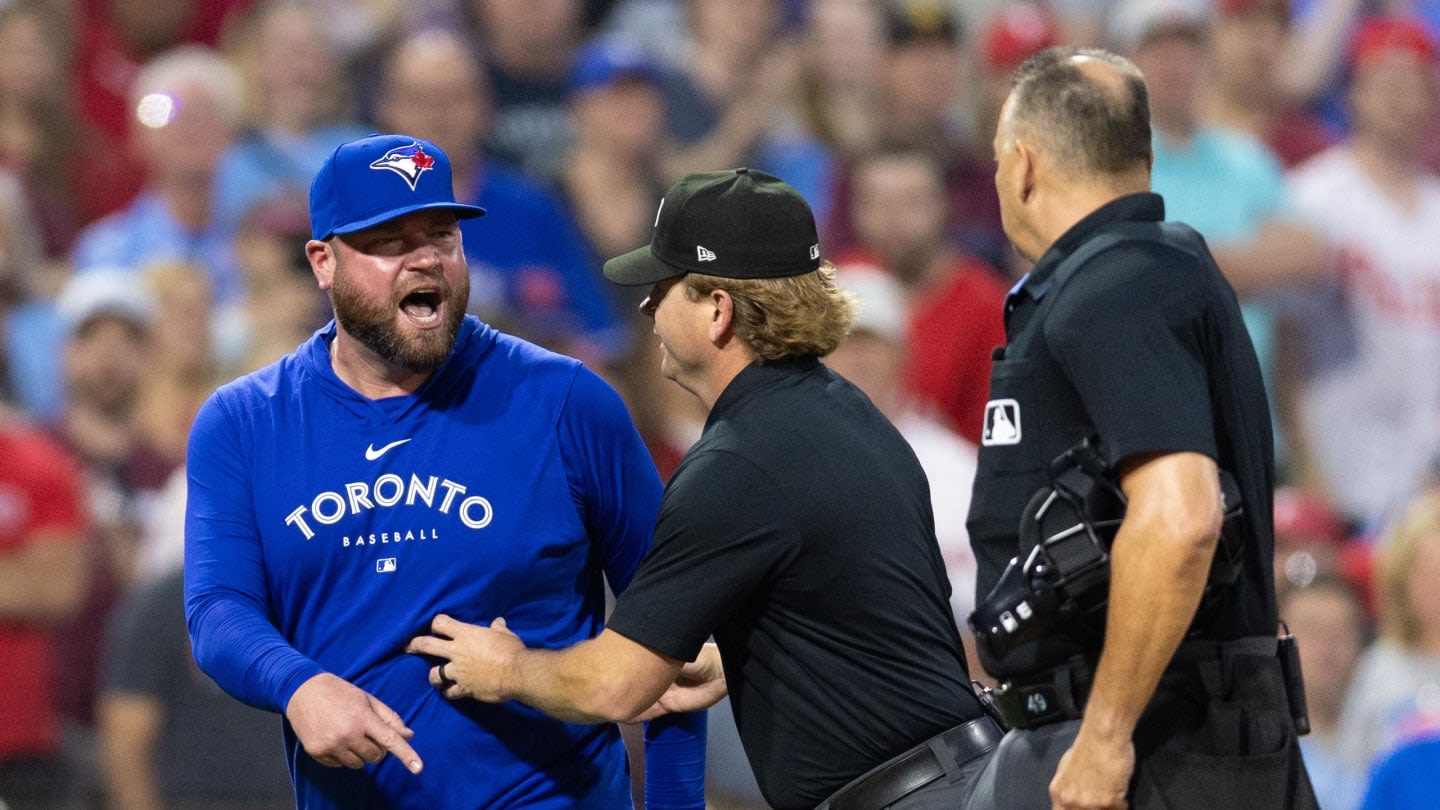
(1002, 422)
(385, 565)
(371, 453)
(704, 254)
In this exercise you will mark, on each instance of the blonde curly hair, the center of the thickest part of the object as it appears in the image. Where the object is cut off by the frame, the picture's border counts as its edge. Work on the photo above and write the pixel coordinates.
(778, 318)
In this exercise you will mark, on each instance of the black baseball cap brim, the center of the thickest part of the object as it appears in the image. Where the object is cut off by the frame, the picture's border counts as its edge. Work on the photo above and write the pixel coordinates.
(640, 268)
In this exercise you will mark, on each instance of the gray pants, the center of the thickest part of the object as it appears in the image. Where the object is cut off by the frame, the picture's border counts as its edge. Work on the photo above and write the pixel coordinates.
(1209, 739)
(1017, 775)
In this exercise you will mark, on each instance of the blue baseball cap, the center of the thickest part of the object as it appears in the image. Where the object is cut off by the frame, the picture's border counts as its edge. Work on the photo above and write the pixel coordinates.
(378, 178)
(603, 62)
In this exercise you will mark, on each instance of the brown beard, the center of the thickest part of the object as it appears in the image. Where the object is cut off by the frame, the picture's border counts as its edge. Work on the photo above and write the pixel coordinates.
(373, 323)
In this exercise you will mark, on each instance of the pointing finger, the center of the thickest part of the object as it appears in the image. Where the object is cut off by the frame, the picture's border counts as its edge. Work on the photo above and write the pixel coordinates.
(393, 742)
(390, 733)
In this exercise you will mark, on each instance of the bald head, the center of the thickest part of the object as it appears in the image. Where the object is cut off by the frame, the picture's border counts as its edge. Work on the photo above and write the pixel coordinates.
(1086, 108)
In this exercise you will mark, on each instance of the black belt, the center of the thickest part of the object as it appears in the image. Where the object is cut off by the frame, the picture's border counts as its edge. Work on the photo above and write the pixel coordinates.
(902, 775)
(1059, 693)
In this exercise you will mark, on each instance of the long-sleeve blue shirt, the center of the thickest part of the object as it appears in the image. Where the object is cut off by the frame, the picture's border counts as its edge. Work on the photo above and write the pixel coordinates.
(324, 530)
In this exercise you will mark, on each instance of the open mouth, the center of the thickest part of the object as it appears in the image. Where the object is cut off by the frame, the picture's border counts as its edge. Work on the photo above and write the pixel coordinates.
(422, 307)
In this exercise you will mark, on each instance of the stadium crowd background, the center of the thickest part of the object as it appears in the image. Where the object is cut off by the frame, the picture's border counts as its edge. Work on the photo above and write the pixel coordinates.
(155, 157)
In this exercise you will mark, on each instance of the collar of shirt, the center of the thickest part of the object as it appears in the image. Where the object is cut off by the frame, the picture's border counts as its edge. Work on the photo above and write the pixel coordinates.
(755, 376)
(1142, 207)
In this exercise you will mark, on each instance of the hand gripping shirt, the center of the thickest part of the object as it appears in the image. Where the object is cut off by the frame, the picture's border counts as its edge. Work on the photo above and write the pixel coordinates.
(324, 530)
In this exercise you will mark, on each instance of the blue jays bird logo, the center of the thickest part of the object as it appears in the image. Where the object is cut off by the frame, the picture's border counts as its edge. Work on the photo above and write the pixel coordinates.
(407, 161)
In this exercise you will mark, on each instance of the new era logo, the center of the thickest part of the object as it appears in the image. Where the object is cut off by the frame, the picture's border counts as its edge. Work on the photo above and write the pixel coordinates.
(705, 255)
(1002, 422)
(814, 252)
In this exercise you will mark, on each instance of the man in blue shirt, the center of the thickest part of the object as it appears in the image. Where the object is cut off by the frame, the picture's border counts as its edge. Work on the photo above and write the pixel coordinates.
(410, 460)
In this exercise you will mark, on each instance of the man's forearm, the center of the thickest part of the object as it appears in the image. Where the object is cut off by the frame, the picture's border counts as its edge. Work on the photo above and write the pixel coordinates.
(237, 646)
(1159, 563)
(608, 678)
(1154, 590)
(576, 686)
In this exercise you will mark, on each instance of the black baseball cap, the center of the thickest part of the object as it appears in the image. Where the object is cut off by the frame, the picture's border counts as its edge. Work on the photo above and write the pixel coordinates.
(740, 223)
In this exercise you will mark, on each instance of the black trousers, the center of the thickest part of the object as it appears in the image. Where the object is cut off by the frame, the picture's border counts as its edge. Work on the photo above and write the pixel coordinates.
(1208, 740)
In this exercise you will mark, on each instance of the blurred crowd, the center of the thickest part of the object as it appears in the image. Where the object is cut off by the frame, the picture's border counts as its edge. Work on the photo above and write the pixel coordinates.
(155, 157)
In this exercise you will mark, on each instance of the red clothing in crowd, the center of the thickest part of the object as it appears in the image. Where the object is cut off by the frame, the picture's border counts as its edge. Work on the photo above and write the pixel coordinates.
(107, 64)
(953, 329)
(1298, 136)
(105, 67)
(39, 496)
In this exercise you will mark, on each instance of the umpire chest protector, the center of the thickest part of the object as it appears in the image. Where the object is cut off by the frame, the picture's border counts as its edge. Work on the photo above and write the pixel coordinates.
(1036, 417)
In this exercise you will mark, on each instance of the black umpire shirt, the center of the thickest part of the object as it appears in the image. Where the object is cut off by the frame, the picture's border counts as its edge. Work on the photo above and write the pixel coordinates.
(799, 532)
(1142, 345)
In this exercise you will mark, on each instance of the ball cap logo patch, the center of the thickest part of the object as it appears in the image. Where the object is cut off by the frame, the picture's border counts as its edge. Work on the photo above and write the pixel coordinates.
(407, 161)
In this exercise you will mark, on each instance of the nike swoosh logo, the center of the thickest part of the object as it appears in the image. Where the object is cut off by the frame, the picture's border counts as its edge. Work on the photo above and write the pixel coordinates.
(371, 453)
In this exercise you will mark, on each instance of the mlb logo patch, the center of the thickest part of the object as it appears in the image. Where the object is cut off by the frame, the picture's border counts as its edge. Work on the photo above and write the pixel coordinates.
(407, 161)
(1002, 423)
(385, 565)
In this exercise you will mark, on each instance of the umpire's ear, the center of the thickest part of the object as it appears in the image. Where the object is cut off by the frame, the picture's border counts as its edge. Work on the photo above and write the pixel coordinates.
(322, 262)
(722, 318)
(1026, 176)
